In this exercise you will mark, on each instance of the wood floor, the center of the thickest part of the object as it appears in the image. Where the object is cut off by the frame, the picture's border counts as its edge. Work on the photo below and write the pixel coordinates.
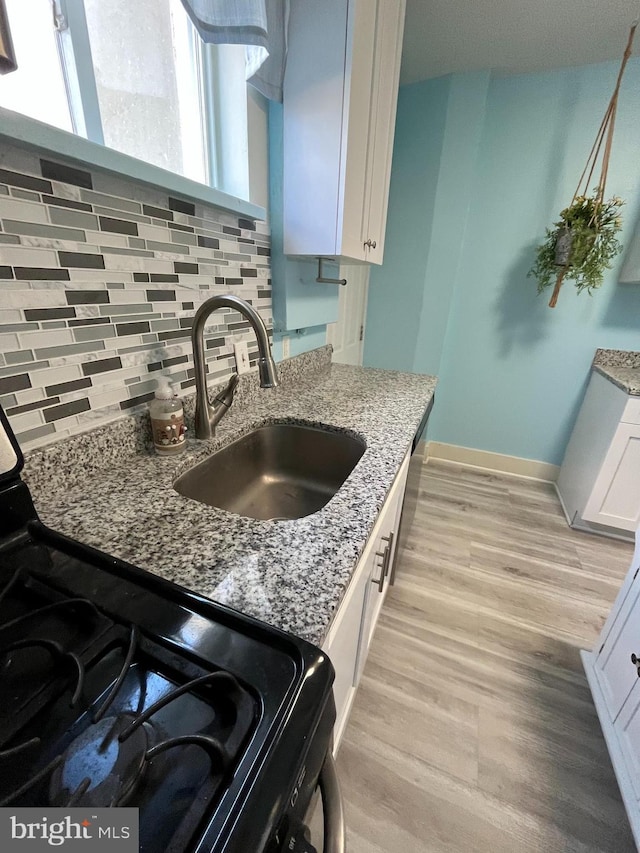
(473, 728)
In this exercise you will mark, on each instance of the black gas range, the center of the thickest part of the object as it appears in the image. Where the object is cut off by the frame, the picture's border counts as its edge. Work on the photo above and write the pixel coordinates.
(118, 688)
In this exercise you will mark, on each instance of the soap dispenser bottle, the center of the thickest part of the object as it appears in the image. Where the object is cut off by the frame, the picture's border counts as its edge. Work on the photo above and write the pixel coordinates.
(167, 420)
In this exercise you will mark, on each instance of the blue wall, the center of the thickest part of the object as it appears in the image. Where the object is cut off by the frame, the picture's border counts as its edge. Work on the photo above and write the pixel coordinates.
(458, 166)
(300, 340)
(512, 371)
(396, 290)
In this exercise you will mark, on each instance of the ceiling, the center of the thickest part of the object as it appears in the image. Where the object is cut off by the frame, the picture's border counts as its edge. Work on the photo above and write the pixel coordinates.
(512, 36)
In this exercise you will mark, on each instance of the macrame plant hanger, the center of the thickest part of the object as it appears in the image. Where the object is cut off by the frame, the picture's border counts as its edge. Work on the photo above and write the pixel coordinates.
(602, 145)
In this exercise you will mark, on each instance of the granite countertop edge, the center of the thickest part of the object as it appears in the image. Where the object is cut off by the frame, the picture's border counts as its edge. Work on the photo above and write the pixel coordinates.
(290, 574)
(622, 367)
(626, 378)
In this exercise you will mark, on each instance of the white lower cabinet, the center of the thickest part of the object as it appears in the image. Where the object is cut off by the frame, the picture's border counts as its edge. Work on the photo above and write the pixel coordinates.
(614, 668)
(599, 482)
(613, 672)
(615, 499)
(342, 648)
(347, 643)
(628, 731)
(382, 554)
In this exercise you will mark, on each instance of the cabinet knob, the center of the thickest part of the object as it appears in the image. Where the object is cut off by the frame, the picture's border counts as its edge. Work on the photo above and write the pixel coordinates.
(635, 660)
(370, 243)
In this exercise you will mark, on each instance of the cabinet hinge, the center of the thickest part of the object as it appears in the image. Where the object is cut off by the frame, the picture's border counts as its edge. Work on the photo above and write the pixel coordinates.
(362, 336)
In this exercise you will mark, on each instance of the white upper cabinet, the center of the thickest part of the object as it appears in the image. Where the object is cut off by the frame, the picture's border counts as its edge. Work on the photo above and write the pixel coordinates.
(340, 95)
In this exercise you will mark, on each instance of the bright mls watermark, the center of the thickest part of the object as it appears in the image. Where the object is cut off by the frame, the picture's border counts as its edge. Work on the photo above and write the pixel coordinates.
(78, 830)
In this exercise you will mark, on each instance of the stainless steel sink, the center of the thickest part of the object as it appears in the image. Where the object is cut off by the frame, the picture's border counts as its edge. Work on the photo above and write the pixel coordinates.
(278, 471)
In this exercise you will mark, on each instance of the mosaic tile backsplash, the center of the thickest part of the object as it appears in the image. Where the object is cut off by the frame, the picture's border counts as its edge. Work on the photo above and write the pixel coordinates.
(99, 282)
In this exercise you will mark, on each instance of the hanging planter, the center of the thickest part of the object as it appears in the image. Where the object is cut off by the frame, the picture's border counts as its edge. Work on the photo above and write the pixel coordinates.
(581, 246)
(583, 243)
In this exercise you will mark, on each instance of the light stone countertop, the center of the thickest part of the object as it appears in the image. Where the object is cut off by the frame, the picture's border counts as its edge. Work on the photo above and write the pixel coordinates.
(622, 367)
(627, 378)
(291, 574)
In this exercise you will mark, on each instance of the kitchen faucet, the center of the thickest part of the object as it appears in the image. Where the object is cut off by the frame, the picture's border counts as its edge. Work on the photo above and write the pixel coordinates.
(208, 415)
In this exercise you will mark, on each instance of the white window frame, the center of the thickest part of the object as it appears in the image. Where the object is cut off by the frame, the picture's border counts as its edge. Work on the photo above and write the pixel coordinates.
(74, 49)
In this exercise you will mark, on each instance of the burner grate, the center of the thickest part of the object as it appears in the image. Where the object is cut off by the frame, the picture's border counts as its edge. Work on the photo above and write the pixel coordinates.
(133, 643)
(47, 639)
(130, 705)
(58, 652)
(74, 603)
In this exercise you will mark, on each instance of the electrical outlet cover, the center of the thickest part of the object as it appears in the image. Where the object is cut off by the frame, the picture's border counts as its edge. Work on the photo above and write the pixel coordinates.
(285, 347)
(242, 357)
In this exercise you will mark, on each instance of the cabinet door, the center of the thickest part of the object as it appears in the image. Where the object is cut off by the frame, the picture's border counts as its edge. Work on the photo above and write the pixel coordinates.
(592, 434)
(373, 598)
(340, 94)
(348, 639)
(630, 587)
(627, 728)
(354, 166)
(382, 120)
(614, 669)
(314, 136)
(341, 646)
(615, 498)
(380, 562)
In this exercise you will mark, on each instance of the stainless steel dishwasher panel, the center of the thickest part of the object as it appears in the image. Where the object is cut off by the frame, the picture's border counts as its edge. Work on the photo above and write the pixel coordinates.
(412, 487)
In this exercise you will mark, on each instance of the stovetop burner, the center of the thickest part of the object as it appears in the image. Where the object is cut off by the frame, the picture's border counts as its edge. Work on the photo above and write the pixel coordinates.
(98, 768)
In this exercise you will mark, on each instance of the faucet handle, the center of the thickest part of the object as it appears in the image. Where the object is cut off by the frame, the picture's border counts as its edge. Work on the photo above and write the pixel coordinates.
(226, 395)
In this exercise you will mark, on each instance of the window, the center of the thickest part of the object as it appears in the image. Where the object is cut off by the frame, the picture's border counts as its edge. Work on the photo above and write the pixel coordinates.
(147, 79)
(135, 77)
(37, 89)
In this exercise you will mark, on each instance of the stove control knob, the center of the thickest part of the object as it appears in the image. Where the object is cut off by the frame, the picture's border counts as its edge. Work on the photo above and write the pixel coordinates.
(297, 840)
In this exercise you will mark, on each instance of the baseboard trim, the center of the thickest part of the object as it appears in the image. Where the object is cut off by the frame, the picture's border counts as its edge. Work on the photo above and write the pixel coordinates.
(570, 520)
(497, 462)
(596, 529)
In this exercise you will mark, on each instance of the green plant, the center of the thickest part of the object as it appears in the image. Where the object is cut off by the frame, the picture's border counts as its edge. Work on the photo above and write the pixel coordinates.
(590, 225)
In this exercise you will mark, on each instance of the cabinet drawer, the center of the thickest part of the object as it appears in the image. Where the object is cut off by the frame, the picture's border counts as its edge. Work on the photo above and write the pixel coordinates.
(631, 414)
